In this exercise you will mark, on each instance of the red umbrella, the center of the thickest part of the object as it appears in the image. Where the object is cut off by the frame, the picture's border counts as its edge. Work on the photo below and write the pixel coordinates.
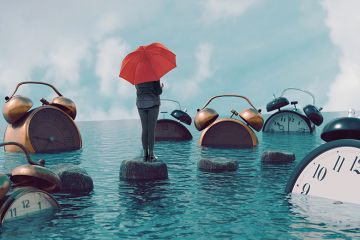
(147, 63)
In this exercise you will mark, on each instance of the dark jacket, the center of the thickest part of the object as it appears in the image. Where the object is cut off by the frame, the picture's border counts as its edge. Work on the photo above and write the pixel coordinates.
(148, 94)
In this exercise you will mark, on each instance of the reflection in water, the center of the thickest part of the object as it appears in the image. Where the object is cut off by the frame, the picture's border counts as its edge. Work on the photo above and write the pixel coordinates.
(323, 217)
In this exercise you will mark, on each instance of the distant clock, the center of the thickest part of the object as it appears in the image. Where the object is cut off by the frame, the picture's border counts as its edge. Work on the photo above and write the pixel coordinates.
(45, 129)
(24, 202)
(330, 171)
(292, 120)
(288, 121)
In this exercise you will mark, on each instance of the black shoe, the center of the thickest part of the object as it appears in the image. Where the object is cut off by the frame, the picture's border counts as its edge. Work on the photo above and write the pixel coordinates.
(146, 158)
(153, 158)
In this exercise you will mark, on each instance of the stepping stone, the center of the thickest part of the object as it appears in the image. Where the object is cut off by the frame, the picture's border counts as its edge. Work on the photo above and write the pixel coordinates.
(277, 157)
(219, 164)
(137, 169)
(73, 179)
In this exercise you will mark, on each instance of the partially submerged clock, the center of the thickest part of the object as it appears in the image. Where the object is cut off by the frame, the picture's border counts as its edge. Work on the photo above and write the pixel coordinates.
(45, 129)
(292, 120)
(171, 130)
(332, 169)
(228, 132)
(30, 187)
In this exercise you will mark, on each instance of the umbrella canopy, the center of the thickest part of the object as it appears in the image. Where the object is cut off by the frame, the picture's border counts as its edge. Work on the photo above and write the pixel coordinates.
(147, 63)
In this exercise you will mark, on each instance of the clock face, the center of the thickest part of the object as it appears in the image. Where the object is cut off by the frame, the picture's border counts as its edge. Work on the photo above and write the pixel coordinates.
(331, 171)
(287, 121)
(51, 130)
(25, 202)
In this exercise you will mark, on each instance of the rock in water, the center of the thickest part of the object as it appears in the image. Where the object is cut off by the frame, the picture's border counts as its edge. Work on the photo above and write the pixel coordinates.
(220, 164)
(137, 169)
(277, 157)
(73, 179)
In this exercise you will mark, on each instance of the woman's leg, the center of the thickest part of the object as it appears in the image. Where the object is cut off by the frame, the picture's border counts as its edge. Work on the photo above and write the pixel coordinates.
(144, 135)
(152, 118)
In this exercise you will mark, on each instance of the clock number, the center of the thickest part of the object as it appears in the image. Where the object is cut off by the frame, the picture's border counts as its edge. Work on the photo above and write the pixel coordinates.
(336, 166)
(39, 203)
(320, 173)
(26, 203)
(13, 212)
(352, 166)
(305, 189)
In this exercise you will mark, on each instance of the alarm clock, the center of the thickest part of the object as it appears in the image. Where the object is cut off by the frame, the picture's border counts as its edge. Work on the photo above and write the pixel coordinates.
(171, 130)
(331, 171)
(46, 129)
(292, 120)
(25, 202)
(228, 132)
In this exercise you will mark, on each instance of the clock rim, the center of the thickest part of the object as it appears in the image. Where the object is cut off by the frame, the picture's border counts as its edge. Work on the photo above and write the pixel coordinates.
(311, 128)
(36, 110)
(19, 191)
(313, 154)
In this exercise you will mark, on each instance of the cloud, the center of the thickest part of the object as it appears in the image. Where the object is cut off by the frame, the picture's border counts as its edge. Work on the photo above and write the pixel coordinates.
(107, 67)
(114, 113)
(203, 72)
(218, 10)
(70, 45)
(344, 24)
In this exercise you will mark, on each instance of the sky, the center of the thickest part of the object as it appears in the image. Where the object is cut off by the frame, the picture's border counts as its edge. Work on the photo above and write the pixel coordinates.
(253, 48)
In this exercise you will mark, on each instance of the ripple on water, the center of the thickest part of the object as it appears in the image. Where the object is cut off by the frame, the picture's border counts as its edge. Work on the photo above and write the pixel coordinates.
(246, 204)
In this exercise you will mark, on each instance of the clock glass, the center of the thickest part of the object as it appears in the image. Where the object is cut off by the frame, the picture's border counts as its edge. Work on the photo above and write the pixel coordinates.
(51, 130)
(331, 171)
(25, 202)
(287, 121)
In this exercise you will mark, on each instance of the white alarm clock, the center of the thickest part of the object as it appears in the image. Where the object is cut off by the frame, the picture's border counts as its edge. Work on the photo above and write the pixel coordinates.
(331, 171)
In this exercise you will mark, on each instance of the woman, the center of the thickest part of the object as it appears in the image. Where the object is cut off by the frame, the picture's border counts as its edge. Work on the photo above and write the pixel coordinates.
(148, 104)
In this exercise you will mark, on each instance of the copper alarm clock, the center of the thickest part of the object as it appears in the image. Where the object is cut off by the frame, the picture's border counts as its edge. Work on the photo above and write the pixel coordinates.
(228, 132)
(30, 186)
(45, 129)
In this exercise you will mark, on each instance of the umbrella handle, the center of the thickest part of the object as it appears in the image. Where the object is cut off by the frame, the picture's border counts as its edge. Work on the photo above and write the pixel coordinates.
(228, 95)
(32, 82)
(300, 90)
(170, 100)
(41, 161)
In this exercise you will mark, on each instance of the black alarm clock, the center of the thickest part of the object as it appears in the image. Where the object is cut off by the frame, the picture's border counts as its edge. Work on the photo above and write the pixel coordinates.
(333, 169)
(292, 120)
(330, 171)
(173, 130)
(46, 129)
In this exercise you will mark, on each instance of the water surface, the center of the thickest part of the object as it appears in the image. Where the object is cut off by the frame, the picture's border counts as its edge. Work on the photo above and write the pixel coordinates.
(247, 204)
